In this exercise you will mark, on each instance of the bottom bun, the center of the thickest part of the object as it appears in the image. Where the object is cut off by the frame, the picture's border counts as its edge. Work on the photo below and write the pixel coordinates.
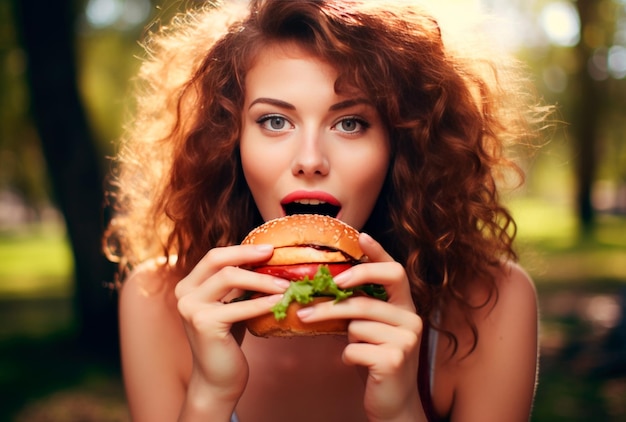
(291, 326)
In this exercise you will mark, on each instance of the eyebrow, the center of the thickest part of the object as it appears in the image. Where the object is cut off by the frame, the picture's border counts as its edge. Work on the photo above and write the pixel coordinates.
(349, 103)
(283, 104)
(274, 102)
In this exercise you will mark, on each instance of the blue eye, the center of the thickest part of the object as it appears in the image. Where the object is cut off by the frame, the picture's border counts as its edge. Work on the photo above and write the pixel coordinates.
(351, 125)
(273, 123)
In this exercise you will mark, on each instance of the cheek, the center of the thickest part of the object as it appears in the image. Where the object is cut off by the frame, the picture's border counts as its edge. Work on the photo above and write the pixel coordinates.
(252, 163)
(373, 180)
(369, 174)
(368, 168)
(364, 182)
(261, 170)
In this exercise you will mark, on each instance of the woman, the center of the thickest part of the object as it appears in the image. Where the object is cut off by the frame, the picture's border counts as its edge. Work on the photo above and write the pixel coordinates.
(246, 111)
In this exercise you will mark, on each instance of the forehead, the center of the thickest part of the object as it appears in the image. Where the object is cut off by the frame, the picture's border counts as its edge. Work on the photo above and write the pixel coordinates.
(279, 60)
(287, 68)
(282, 52)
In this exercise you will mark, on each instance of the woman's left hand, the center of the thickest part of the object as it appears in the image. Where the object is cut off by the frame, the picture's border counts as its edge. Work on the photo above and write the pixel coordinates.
(384, 337)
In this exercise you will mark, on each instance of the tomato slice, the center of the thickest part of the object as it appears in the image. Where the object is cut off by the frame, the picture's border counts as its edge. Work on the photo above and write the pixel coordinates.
(299, 271)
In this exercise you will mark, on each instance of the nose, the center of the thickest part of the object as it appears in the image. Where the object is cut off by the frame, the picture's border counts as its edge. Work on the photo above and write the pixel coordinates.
(310, 158)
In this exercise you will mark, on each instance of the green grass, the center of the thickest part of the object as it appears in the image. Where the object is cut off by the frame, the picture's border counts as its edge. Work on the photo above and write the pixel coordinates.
(540, 221)
(35, 261)
(553, 226)
(552, 249)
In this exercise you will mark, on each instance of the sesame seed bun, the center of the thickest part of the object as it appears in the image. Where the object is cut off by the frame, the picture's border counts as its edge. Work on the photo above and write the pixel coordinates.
(302, 242)
(310, 231)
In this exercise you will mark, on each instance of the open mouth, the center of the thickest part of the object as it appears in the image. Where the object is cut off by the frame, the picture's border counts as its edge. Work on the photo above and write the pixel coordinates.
(311, 206)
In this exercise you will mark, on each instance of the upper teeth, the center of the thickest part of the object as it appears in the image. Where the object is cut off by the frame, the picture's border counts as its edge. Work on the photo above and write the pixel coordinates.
(309, 201)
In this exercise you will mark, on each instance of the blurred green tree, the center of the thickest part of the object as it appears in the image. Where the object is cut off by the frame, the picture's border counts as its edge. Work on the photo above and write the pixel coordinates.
(46, 32)
(577, 50)
(598, 107)
(586, 120)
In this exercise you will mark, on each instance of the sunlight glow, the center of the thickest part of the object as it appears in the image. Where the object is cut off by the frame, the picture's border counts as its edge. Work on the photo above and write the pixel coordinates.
(102, 13)
(123, 13)
(617, 61)
(604, 310)
(515, 26)
(561, 23)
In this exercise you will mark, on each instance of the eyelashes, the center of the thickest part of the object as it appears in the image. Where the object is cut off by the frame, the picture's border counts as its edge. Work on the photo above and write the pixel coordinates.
(351, 124)
(348, 125)
(274, 123)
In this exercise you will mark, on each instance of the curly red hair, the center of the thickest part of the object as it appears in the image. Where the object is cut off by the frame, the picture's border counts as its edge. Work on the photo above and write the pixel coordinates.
(451, 109)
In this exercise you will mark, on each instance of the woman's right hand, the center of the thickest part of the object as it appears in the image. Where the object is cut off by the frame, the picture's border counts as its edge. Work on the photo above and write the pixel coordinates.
(220, 370)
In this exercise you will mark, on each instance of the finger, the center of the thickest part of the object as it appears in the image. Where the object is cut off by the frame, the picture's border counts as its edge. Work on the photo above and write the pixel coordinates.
(217, 292)
(362, 308)
(391, 375)
(238, 255)
(381, 360)
(217, 258)
(229, 279)
(372, 356)
(232, 313)
(363, 331)
(218, 318)
(374, 251)
(390, 274)
(386, 272)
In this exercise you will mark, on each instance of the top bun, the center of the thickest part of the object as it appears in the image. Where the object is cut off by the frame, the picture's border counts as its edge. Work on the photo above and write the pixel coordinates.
(307, 230)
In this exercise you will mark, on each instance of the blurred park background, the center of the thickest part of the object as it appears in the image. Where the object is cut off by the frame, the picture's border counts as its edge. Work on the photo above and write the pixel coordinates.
(65, 68)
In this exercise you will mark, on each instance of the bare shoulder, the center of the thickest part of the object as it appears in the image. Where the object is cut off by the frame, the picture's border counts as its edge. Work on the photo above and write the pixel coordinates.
(514, 276)
(508, 308)
(147, 307)
(152, 336)
(511, 316)
(516, 291)
(504, 362)
(149, 286)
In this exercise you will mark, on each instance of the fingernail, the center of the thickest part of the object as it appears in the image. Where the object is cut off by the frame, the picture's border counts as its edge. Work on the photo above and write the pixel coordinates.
(264, 248)
(304, 313)
(342, 277)
(283, 284)
(273, 299)
(366, 237)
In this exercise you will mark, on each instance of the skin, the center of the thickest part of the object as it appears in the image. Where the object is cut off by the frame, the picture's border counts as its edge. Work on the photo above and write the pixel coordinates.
(304, 138)
(185, 355)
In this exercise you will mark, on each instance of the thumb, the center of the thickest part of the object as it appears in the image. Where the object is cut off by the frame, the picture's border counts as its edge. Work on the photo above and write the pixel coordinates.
(374, 251)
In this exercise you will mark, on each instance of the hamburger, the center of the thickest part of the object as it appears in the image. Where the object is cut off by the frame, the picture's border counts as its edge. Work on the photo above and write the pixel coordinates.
(309, 250)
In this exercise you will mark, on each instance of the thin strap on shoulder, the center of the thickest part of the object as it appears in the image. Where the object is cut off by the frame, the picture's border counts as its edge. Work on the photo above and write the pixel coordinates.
(426, 372)
(433, 340)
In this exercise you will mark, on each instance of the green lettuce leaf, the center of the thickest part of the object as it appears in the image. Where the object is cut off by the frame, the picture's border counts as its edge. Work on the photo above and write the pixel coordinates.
(322, 284)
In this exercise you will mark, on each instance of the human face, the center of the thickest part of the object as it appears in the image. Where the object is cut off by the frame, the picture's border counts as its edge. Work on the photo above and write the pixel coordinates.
(306, 149)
